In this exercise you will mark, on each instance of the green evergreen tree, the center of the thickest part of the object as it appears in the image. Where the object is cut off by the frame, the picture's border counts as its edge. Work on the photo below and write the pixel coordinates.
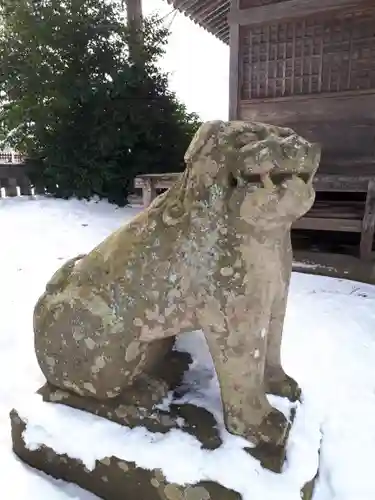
(87, 117)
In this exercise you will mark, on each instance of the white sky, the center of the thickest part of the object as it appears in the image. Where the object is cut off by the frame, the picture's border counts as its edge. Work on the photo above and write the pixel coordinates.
(198, 64)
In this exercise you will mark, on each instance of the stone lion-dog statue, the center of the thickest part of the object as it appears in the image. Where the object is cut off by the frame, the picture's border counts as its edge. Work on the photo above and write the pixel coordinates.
(211, 253)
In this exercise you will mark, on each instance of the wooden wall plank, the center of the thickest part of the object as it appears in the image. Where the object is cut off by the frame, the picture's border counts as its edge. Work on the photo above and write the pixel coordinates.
(329, 107)
(343, 125)
(321, 224)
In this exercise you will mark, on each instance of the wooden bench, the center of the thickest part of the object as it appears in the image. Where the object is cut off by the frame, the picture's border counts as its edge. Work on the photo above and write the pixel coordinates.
(342, 216)
(151, 183)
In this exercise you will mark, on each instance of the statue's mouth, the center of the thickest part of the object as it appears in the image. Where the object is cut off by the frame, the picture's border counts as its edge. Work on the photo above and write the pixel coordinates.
(271, 166)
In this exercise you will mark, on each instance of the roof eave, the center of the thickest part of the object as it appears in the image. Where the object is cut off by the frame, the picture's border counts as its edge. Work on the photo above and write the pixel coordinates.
(209, 14)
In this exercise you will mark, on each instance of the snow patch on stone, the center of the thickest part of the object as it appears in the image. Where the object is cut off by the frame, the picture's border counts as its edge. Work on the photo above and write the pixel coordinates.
(89, 438)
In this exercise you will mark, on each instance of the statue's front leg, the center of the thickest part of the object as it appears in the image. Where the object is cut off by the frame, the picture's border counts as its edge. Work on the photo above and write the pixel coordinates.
(276, 381)
(239, 358)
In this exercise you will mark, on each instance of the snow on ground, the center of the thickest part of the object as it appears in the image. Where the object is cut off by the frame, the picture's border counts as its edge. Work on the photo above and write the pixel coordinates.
(329, 347)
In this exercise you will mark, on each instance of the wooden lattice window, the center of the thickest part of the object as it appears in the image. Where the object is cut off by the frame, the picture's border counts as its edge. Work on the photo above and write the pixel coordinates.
(308, 57)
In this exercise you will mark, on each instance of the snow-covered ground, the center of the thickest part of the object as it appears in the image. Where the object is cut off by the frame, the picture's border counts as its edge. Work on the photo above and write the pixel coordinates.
(329, 347)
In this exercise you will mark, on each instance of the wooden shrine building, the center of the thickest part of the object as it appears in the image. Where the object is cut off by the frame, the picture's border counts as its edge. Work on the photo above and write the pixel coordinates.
(310, 65)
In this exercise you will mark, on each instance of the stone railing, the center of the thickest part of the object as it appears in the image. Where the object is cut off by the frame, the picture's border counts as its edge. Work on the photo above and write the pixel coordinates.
(11, 157)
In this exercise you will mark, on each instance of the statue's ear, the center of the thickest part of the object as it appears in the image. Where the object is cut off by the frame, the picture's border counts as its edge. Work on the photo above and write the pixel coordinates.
(203, 134)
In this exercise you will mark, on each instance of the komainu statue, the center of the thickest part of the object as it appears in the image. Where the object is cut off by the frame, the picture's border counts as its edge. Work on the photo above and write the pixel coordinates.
(212, 253)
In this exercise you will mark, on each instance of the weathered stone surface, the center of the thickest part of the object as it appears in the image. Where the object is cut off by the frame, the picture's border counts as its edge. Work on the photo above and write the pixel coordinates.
(116, 479)
(139, 404)
(270, 455)
(308, 489)
(212, 253)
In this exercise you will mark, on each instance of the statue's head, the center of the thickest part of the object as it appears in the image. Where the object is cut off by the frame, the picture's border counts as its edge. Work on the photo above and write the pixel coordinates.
(263, 172)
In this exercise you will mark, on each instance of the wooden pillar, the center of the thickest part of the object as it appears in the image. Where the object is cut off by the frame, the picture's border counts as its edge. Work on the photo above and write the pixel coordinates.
(134, 16)
(25, 186)
(368, 223)
(11, 189)
(234, 44)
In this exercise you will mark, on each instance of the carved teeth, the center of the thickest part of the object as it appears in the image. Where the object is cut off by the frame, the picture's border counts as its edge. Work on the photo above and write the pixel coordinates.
(267, 181)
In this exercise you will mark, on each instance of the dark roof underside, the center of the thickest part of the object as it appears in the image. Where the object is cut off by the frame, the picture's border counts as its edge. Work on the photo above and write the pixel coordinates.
(210, 14)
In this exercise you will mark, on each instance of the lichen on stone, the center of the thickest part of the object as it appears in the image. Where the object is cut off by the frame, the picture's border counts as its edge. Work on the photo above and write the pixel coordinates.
(212, 253)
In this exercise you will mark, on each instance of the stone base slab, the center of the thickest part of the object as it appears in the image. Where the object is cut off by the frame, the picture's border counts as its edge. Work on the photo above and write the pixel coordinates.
(194, 420)
(111, 477)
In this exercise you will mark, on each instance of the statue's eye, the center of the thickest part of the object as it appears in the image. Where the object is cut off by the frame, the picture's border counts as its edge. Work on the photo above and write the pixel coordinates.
(246, 138)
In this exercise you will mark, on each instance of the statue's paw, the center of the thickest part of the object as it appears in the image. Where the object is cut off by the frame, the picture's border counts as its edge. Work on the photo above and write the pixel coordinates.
(271, 432)
(283, 386)
(273, 428)
(270, 439)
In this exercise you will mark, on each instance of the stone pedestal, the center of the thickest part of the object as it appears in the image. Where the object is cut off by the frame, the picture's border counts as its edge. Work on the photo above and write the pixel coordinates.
(113, 478)
(41, 433)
